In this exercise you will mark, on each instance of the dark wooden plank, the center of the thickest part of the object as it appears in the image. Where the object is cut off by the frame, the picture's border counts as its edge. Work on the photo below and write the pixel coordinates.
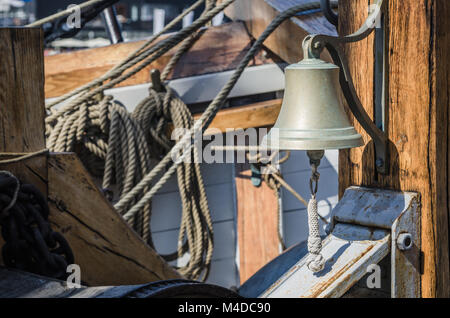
(417, 119)
(218, 49)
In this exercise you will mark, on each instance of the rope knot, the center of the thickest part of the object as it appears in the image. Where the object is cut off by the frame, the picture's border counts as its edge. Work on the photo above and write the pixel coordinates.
(315, 263)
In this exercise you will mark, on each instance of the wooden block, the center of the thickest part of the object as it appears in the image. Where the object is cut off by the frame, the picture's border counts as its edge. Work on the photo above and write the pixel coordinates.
(107, 250)
(218, 49)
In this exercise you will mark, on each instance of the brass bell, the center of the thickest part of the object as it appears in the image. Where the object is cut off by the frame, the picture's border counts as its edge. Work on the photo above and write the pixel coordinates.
(312, 116)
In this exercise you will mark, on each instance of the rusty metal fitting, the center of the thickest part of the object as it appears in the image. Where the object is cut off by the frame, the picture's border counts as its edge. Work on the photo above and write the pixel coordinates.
(404, 241)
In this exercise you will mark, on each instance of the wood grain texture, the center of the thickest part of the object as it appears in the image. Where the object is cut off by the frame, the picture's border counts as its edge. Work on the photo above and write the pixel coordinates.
(218, 49)
(257, 217)
(22, 101)
(260, 114)
(108, 251)
(417, 120)
(286, 41)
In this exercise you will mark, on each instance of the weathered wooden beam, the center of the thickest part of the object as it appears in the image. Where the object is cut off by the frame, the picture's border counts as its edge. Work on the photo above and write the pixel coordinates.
(107, 250)
(218, 49)
(417, 119)
(257, 223)
(287, 39)
(22, 102)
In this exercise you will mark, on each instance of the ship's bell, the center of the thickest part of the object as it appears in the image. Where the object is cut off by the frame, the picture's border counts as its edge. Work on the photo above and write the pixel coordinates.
(312, 116)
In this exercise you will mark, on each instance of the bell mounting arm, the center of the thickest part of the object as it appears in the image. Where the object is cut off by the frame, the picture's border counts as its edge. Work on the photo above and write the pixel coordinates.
(313, 45)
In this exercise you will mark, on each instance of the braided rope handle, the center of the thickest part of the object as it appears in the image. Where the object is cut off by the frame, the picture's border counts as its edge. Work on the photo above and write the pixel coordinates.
(315, 261)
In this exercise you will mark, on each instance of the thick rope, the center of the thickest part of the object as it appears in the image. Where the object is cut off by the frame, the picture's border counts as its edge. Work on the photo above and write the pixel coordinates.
(21, 157)
(106, 132)
(206, 118)
(136, 64)
(61, 14)
(196, 232)
(315, 261)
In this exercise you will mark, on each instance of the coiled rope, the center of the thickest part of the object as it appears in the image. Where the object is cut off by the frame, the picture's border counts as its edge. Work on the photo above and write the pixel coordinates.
(101, 125)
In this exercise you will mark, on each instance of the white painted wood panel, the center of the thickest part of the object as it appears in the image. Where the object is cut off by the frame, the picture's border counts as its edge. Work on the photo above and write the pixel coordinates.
(220, 190)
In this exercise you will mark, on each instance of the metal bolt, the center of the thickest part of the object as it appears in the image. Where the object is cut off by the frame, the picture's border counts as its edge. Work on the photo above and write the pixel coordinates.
(404, 241)
(379, 162)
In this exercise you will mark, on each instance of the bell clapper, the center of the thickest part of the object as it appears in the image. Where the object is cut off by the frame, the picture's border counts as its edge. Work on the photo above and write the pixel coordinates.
(316, 262)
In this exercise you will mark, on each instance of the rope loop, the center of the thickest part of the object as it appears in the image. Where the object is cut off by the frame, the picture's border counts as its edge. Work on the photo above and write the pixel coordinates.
(119, 146)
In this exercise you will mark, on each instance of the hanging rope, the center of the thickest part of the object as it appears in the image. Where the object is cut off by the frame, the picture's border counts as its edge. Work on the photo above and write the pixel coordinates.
(118, 145)
(125, 156)
(62, 14)
(204, 121)
(315, 261)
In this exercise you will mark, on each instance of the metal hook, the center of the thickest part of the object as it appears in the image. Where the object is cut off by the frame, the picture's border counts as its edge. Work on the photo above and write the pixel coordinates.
(328, 12)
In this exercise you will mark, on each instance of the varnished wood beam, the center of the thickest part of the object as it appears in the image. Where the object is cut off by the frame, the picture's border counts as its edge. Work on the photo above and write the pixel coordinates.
(218, 49)
(416, 123)
(260, 114)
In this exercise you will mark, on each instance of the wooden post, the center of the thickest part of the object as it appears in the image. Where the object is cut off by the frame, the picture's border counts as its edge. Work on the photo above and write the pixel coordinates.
(416, 119)
(22, 102)
(107, 250)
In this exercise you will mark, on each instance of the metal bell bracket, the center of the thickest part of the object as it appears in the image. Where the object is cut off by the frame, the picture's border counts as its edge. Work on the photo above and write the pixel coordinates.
(313, 45)
(367, 226)
(157, 85)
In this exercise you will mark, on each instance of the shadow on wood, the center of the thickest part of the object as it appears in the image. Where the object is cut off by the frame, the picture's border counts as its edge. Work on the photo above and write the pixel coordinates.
(107, 250)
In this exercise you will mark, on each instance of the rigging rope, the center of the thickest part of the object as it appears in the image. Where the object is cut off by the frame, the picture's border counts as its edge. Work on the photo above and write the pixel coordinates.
(61, 14)
(118, 145)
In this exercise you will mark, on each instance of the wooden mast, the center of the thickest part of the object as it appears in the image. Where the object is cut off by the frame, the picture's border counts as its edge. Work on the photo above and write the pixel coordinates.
(416, 118)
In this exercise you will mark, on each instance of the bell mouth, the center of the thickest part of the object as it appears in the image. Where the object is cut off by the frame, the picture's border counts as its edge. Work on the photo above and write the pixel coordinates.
(312, 139)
